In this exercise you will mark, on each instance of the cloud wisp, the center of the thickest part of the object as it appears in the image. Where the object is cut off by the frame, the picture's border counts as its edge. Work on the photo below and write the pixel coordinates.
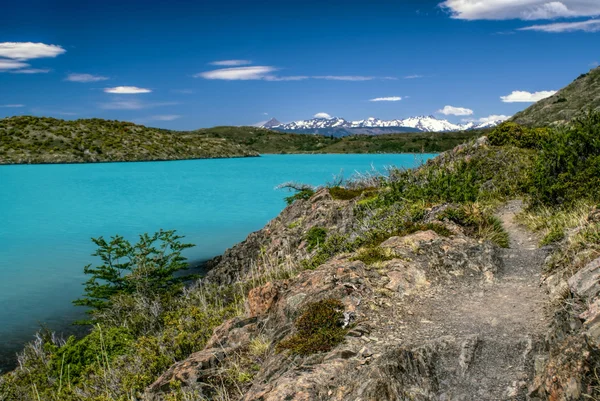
(230, 63)
(84, 78)
(11, 106)
(267, 73)
(133, 105)
(29, 50)
(322, 115)
(414, 76)
(526, 97)
(592, 25)
(522, 9)
(165, 117)
(127, 90)
(238, 74)
(455, 111)
(6, 65)
(31, 71)
(386, 99)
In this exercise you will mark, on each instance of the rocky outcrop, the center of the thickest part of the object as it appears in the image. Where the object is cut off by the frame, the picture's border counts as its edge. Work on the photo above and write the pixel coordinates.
(398, 346)
(283, 237)
(570, 370)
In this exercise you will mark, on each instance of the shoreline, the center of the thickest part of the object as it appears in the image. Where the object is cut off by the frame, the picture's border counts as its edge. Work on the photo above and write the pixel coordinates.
(258, 155)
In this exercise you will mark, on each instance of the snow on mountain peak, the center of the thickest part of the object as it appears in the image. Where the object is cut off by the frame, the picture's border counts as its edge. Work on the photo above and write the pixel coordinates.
(421, 123)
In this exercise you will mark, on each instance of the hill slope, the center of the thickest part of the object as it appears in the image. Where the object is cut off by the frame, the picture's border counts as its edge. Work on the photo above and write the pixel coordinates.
(573, 100)
(49, 140)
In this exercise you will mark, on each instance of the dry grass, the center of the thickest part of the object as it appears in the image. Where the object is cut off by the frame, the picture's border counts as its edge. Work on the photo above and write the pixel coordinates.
(553, 223)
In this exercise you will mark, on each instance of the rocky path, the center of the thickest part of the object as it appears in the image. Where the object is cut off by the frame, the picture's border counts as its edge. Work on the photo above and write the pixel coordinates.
(495, 328)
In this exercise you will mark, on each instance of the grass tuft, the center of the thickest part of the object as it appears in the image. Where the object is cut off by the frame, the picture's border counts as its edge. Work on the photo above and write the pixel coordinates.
(318, 329)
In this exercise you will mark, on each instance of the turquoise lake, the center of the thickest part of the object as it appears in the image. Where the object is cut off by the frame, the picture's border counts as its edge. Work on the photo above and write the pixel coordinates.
(48, 213)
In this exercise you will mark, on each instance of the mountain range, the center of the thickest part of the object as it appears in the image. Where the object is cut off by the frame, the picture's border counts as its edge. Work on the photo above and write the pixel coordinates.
(337, 126)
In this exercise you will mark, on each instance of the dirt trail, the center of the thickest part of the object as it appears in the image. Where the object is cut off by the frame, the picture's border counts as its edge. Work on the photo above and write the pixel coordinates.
(499, 326)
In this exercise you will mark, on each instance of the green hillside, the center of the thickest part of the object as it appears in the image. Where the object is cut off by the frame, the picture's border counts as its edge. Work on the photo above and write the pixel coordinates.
(265, 141)
(49, 140)
(25, 140)
(581, 95)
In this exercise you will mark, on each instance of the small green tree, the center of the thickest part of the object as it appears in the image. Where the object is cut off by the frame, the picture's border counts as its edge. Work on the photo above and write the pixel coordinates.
(147, 268)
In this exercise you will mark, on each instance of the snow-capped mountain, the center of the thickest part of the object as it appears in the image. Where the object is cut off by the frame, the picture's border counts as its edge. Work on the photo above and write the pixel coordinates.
(373, 126)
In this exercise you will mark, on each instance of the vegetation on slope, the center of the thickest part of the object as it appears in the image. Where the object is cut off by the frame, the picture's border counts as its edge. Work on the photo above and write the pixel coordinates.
(138, 334)
(48, 140)
(573, 101)
(266, 141)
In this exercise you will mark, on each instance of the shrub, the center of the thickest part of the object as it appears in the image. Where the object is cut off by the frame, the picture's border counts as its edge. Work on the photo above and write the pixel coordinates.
(147, 268)
(568, 167)
(303, 194)
(301, 191)
(315, 237)
(373, 255)
(101, 346)
(478, 223)
(554, 235)
(318, 329)
(509, 133)
(341, 193)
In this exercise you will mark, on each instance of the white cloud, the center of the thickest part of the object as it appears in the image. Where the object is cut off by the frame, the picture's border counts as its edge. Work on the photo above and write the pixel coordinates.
(493, 117)
(85, 78)
(526, 97)
(265, 73)
(322, 115)
(594, 64)
(455, 111)
(415, 76)
(238, 74)
(11, 64)
(592, 25)
(12, 105)
(165, 117)
(386, 99)
(520, 9)
(127, 90)
(31, 71)
(231, 63)
(29, 50)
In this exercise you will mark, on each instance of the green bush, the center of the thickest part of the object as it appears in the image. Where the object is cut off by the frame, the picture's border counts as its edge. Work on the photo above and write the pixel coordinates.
(341, 193)
(477, 223)
(318, 329)
(100, 347)
(509, 133)
(373, 255)
(554, 235)
(303, 194)
(315, 238)
(147, 268)
(568, 166)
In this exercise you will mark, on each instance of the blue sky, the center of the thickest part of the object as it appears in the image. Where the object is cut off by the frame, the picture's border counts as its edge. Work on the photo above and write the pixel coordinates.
(189, 64)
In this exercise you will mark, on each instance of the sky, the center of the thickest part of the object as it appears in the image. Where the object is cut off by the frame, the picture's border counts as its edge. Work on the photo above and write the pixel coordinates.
(190, 64)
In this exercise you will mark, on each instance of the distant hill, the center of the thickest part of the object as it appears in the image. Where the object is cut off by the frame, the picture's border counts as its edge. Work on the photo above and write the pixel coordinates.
(267, 141)
(49, 140)
(575, 99)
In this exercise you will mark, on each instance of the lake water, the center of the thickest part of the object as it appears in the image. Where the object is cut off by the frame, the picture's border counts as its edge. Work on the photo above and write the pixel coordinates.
(48, 213)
